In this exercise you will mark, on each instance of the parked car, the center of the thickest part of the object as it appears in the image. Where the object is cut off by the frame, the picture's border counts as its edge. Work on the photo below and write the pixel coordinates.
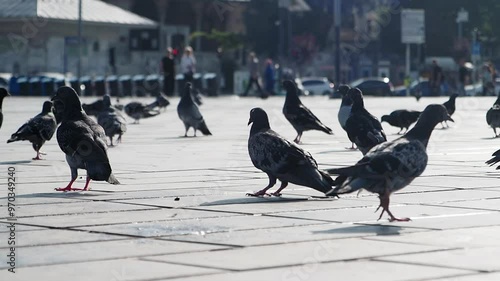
(315, 85)
(420, 86)
(374, 86)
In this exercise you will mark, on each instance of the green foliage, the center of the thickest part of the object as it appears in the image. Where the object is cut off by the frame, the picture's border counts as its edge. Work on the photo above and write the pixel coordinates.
(226, 40)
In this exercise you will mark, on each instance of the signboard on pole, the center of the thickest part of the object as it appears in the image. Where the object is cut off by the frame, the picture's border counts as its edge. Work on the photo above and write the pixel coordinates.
(412, 26)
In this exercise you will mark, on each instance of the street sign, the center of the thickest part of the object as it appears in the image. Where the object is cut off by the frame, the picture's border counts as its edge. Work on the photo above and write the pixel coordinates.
(412, 26)
(476, 49)
(462, 16)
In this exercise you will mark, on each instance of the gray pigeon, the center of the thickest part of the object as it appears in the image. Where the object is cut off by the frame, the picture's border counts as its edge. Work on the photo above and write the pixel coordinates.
(138, 111)
(81, 139)
(450, 106)
(390, 166)
(345, 107)
(190, 114)
(111, 120)
(301, 118)
(401, 118)
(3, 94)
(161, 102)
(282, 159)
(38, 129)
(493, 116)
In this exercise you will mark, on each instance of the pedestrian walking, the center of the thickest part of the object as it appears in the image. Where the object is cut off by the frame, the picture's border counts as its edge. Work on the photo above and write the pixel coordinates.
(188, 64)
(168, 69)
(269, 77)
(253, 67)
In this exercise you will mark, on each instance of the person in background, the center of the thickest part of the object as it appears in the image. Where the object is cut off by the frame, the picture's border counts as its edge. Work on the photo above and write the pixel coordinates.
(269, 77)
(168, 69)
(487, 78)
(188, 64)
(463, 78)
(437, 78)
(253, 67)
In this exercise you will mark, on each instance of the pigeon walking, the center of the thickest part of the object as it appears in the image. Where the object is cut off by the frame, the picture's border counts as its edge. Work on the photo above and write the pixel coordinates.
(38, 129)
(390, 166)
(81, 139)
(281, 159)
(190, 114)
(138, 111)
(493, 116)
(402, 119)
(3, 94)
(111, 120)
(450, 106)
(362, 128)
(301, 118)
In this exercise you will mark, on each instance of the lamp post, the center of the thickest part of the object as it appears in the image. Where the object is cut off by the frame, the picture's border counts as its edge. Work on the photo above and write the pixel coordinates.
(79, 63)
(337, 4)
(462, 16)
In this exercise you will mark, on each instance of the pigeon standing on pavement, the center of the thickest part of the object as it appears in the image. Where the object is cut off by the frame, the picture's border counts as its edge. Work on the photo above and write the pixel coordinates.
(111, 120)
(301, 118)
(493, 116)
(81, 139)
(390, 166)
(362, 128)
(38, 129)
(345, 107)
(138, 111)
(3, 94)
(190, 114)
(93, 109)
(450, 106)
(281, 159)
(402, 119)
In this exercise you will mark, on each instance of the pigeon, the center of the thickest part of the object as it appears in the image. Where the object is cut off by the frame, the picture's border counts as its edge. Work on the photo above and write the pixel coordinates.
(111, 120)
(402, 119)
(38, 129)
(450, 106)
(3, 94)
(345, 107)
(138, 111)
(282, 159)
(495, 159)
(93, 109)
(493, 116)
(190, 114)
(390, 166)
(161, 102)
(81, 139)
(301, 118)
(362, 128)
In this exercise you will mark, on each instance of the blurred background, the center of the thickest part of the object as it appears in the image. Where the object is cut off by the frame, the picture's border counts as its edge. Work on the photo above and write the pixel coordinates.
(118, 46)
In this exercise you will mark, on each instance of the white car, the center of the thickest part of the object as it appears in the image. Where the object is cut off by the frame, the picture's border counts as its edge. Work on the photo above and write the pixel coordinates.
(315, 85)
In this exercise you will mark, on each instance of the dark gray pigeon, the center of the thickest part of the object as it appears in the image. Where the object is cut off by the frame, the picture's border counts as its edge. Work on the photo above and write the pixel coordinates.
(493, 116)
(345, 107)
(362, 128)
(402, 119)
(282, 159)
(93, 109)
(301, 118)
(450, 106)
(81, 139)
(111, 120)
(390, 166)
(190, 114)
(139, 111)
(3, 94)
(161, 102)
(38, 129)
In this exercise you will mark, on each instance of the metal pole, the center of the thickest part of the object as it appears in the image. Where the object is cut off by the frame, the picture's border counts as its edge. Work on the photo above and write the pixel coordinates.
(80, 27)
(336, 9)
(407, 60)
(460, 32)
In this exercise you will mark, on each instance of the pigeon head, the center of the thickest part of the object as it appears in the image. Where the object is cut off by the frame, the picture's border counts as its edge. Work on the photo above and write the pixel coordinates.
(47, 107)
(258, 119)
(343, 89)
(162, 101)
(187, 89)
(453, 97)
(66, 103)
(106, 101)
(3, 93)
(431, 116)
(357, 97)
(385, 118)
(291, 91)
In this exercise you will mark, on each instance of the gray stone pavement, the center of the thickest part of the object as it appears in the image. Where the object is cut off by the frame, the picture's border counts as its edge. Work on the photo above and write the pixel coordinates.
(138, 231)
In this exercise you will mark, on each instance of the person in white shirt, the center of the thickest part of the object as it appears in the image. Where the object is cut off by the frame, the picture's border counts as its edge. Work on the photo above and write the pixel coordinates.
(188, 64)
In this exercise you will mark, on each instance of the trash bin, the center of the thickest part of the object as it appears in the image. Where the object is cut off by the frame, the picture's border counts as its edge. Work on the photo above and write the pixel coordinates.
(113, 88)
(179, 80)
(126, 83)
(35, 86)
(24, 86)
(59, 82)
(211, 84)
(99, 86)
(153, 84)
(47, 85)
(87, 83)
(138, 81)
(75, 84)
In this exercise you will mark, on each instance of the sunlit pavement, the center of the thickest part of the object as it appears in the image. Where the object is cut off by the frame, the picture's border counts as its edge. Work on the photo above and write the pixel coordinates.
(181, 212)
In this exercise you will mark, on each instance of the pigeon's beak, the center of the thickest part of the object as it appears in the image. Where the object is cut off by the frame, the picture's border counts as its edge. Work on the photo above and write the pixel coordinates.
(250, 121)
(448, 118)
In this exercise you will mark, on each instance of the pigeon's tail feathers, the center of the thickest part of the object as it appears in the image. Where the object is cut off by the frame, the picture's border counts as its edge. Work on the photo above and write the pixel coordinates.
(326, 129)
(112, 179)
(21, 134)
(495, 159)
(13, 138)
(347, 171)
(150, 113)
(351, 185)
(204, 129)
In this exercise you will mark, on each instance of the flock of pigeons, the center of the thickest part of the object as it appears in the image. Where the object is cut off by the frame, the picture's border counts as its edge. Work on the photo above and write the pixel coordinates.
(386, 166)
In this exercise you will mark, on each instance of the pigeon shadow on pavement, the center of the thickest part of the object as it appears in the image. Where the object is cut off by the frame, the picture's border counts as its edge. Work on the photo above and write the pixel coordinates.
(16, 162)
(364, 228)
(253, 200)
